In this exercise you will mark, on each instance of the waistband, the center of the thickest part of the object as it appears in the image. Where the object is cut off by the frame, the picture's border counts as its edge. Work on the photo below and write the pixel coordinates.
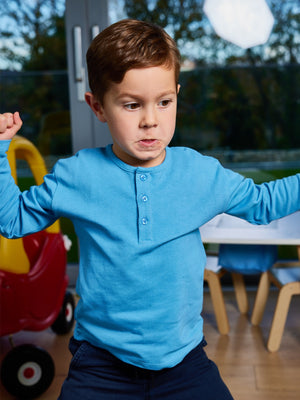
(130, 370)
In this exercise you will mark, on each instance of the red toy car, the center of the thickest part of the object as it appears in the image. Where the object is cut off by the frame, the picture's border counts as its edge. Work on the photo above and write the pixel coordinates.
(33, 295)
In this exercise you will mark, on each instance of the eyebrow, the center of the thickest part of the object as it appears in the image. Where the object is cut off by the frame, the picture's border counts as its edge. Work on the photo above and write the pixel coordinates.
(137, 97)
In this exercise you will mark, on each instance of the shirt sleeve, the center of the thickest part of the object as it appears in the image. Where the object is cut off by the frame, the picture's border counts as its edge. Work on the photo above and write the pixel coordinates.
(260, 204)
(22, 213)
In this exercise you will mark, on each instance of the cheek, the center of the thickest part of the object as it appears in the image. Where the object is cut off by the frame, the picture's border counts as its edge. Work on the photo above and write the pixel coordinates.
(170, 122)
(120, 127)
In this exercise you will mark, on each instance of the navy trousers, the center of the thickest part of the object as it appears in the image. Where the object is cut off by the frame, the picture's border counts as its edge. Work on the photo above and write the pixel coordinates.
(96, 374)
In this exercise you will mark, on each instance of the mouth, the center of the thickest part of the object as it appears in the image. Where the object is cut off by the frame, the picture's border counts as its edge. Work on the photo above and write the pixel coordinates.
(148, 142)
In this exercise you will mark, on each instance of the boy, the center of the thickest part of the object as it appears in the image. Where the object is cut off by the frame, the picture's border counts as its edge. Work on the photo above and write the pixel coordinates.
(136, 207)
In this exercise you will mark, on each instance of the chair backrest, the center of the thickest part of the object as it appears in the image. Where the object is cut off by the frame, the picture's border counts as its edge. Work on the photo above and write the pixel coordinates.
(247, 259)
(286, 275)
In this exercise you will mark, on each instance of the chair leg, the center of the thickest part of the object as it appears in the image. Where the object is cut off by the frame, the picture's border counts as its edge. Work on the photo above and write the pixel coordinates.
(216, 293)
(240, 292)
(279, 319)
(261, 299)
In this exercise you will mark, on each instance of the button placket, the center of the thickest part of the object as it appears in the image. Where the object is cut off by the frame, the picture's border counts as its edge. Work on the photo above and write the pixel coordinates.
(143, 184)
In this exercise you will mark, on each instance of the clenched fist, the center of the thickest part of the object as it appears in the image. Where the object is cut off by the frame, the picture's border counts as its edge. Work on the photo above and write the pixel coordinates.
(9, 125)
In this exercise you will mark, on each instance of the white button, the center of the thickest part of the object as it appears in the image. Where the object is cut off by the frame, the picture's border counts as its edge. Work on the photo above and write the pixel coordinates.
(144, 221)
(143, 177)
(144, 198)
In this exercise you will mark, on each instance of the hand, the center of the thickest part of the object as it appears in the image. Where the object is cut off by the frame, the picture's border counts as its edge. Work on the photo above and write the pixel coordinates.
(9, 125)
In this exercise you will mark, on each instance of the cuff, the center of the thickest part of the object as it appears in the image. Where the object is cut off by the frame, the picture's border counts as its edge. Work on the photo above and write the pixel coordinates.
(4, 145)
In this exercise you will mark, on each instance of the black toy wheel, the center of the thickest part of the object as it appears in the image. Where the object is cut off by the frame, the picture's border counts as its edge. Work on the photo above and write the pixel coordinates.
(65, 320)
(27, 371)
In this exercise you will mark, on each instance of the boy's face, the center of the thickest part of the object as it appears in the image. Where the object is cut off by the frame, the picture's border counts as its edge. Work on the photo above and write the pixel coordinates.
(140, 112)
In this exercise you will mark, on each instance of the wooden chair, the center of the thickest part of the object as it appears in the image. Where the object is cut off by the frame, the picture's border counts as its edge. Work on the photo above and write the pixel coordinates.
(286, 276)
(213, 274)
(214, 270)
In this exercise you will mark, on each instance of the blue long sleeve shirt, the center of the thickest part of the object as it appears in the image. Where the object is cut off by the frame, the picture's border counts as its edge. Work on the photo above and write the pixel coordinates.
(141, 257)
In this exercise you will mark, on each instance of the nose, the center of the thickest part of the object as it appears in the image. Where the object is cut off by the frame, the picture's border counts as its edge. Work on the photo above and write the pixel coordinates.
(149, 117)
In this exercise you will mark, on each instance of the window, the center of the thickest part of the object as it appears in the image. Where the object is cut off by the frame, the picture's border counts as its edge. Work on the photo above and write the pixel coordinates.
(239, 105)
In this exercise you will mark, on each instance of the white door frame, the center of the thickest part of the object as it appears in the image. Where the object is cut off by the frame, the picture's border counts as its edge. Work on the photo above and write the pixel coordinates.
(84, 19)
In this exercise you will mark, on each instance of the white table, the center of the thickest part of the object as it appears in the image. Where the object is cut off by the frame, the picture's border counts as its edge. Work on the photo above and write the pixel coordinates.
(227, 229)
(232, 230)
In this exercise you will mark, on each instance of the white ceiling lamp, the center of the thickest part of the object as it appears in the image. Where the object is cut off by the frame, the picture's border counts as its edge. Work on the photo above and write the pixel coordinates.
(246, 23)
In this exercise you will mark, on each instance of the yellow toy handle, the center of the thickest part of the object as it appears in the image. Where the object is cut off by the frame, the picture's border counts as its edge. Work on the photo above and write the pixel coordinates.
(13, 257)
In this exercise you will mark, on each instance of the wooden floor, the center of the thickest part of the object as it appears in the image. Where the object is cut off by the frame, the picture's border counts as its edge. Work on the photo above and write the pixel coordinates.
(249, 370)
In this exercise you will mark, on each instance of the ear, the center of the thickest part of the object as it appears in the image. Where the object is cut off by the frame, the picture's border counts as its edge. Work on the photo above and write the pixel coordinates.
(95, 105)
(178, 88)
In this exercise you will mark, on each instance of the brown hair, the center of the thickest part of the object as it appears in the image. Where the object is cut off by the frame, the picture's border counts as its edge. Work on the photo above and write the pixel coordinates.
(125, 45)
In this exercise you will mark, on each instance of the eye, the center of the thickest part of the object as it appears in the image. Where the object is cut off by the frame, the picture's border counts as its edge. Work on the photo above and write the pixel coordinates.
(164, 103)
(132, 106)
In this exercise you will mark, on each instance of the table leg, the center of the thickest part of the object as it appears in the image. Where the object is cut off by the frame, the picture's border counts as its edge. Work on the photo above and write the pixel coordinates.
(216, 293)
(261, 299)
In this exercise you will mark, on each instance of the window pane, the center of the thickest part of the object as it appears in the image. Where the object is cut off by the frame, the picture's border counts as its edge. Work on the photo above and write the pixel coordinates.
(241, 105)
(34, 81)
(33, 72)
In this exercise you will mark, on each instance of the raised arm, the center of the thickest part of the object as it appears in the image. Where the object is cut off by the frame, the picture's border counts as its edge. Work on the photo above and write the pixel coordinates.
(10, 124)
(21, 213)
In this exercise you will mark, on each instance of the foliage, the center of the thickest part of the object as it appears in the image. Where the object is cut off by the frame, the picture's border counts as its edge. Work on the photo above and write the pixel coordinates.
(252, 104)
(36, 95)
(196, 38)
(32, 34)
(225, 108)
(182, 17)
(235, 98)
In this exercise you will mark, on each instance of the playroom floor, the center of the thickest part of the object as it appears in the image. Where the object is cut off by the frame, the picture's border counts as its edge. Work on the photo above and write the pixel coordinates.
(250, 371)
